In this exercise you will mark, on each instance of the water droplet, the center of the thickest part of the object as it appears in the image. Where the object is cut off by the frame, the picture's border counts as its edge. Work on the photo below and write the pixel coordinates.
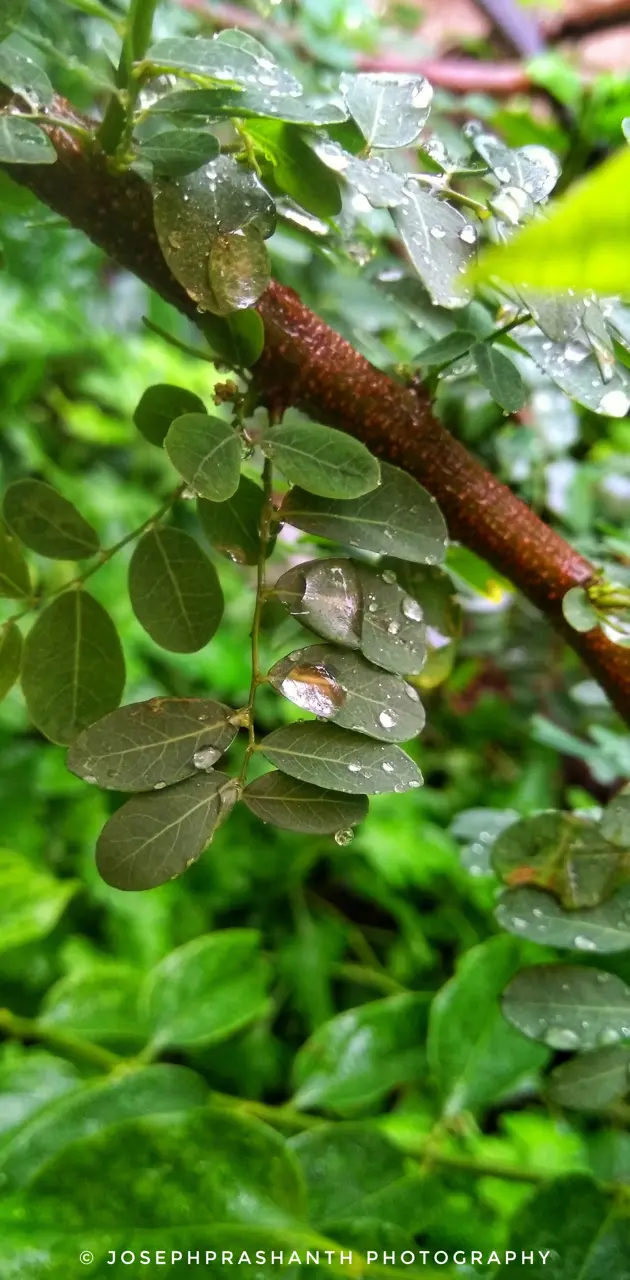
(389, 576)
(354, 767)
(206, 757)
(503, 174)
(412, 693)
(238, 268)
(438, 233)
(89, 777)
(468, 233)
(393, 628)
(518, 922)
(388, 767)
(412, 609)
(615, 404)
(584, 944)
(388, 721)
(344, 836)
(608, 1036)
(314, 687)
(561, 1038)
(415, 782)
(159, 786)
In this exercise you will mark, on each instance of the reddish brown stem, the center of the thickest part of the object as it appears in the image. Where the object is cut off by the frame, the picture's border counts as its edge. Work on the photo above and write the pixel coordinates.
(307, 364)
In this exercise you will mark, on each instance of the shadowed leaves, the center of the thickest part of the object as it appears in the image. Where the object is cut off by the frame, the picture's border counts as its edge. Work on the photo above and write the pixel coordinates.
(569, 1008)
(299, 806)
(207, 453)
(47, 523)
(174, 590)
(344, 761)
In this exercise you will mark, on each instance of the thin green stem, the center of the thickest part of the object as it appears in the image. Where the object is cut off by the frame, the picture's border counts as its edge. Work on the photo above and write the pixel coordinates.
(67, 1045)
(103, 558)
(365, 977)
(117, 127)
(256, 678)
(177, 342)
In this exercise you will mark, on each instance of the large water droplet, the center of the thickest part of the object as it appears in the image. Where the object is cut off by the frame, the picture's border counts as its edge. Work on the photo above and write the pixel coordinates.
(205, 758)
(387, 720)
(344, 836)
(314, 687)
(561, 1038)
(412, 609)
(238, 269)
(615, 404)
(584, 944)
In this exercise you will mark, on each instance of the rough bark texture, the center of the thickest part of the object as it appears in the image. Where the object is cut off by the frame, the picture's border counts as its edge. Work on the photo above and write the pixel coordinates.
(307, 364)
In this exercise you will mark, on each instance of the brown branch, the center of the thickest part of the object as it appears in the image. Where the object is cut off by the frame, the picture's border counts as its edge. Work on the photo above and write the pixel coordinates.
(307, 364)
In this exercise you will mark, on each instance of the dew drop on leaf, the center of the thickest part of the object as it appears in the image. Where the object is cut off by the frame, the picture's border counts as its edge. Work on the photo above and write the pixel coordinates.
(238, 269)
(315, 688)
(206, 757)
(388, 721)
(412, 609)
(344, 836)
(561, 1038)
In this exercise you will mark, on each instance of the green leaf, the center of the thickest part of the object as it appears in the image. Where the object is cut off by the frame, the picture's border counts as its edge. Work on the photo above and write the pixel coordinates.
(10, 657)
(233, 527)
(187, 1180)
(73, 669)
(156, 836)
(572, 1223)
(47, 523)
(333, 757)
(10, 13)
(529, 913)
(399, 518)
(327, 462)
(27, 79)
(581, 245)
(591, 1081)
(474, 1055)
(296, 168)
(352, 1170)
(152, 744)
(99, 1004)
(159, 406)
(354, 1060)
(254, 101)
(578, 610)
(23, 142)
(174, 590)
(393, 634)
(446, 350)
(207, 453)
(615, 822)
(500, 376)
(207, 990)
(563, 852)
(31, 900)
(533, 169)
(342, 686)
(373, 178)
(81, 1115)
(390, 110)
(15, 582)
(226, 58)
(574, 368)
(440, 242)
(193, 212)
(175, 152)
(238, 338)
(29, 1079)
(569, 1008)
(433, 591)
(299, 806)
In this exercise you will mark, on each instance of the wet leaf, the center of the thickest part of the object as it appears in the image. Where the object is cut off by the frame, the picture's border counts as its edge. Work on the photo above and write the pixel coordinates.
(159, 406)
(254, 101)
(73, 669)
(573, 368)
(399, 518)
(174, 590)
(175, 152)
(569, 1008)
(615, 823)
(342, 686)
(231, 56)
(23, 142)
(390, 110)
(392, 630)
(440, 242)
(295, 168)
(233, 527)
(10, 657)
(530, 913)
(500, 376)
(299, 806)
(433, 591)
(207, 453)
(15, 582)
(591, 1081)
(239, 269)
(359, 1056)
(191, 212)
(578, 610)
(47, 523)
(446, 350)
(324, 595)
(373, 177)
(474, 1054)
(344, 761)
(207, 990)
(559, 315)
(28, 80)
(148, 745)
(533, 168)
(324, 461)
(562, 852)
(156, 836)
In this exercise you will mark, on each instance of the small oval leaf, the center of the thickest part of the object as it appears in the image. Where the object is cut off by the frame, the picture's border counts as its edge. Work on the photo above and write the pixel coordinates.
(156, 836)
(390, 109)
(23, 142)
(592, 1081)
(335, 758)
(148, 745)
(299, 806)
(15, 582)
(233, 527)
(563, 852)
(178, 151)
(530, 913)
(207, 453)
(10, 657)
(47, 523)
(399, 518)
(566, 1007)
(324, 461)
(174, 590)
(500, 376)
(73, 670)
(578, 610)
(160, 406)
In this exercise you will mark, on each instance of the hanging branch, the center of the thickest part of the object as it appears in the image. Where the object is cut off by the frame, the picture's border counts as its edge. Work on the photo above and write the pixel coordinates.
(307, 364)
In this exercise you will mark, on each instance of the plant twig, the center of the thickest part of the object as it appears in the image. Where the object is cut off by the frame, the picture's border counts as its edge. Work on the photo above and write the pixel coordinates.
(256, 680)
(68, 1046)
